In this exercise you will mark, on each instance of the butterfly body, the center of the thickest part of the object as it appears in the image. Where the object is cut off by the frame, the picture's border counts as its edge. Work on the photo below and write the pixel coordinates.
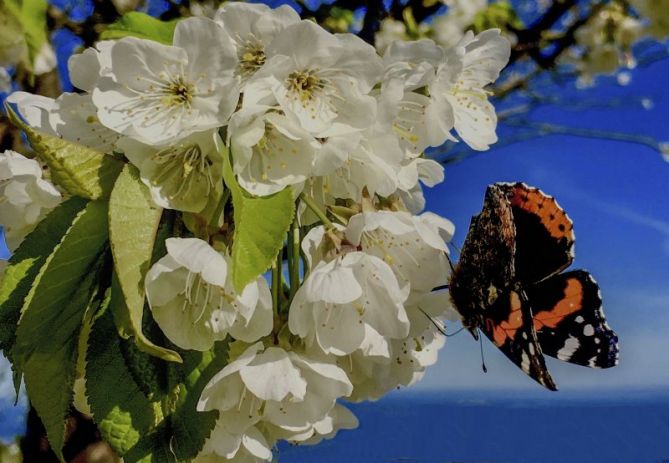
(508, 284)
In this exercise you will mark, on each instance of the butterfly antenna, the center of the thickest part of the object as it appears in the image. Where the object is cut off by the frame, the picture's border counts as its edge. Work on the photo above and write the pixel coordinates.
(439, 326)
(457, 249)
(454, 333)
(485, 369)
(450, 262)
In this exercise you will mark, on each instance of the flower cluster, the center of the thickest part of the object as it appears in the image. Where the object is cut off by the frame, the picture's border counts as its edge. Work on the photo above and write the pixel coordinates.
(605, 42)
(283, 104)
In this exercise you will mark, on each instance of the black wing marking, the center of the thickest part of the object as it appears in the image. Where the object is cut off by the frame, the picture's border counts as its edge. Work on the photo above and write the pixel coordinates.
(509, 325)
(544, 233)
(570, 321)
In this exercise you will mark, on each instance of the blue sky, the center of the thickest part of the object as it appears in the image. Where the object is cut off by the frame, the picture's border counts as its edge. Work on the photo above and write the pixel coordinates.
(617, 194)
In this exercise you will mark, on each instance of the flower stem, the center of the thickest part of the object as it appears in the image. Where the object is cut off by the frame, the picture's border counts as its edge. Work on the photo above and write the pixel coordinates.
(216, 215)
(316, 210)
(294, 258)
(276, 283)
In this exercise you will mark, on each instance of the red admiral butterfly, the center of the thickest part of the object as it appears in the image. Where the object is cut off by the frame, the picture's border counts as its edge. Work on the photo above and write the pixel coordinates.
(508, 284)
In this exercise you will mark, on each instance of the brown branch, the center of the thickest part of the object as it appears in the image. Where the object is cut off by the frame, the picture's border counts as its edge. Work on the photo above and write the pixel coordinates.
(567, 39)
(372, 21)
(529, 39)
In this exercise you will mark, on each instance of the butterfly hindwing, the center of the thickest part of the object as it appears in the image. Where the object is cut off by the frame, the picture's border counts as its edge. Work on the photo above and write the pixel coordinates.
(570, 322)
(544, 233)
(508, 323)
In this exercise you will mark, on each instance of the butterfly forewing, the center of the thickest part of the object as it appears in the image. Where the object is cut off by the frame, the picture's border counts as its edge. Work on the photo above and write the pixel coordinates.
(485, 269)
(544, 233)
(570, 321)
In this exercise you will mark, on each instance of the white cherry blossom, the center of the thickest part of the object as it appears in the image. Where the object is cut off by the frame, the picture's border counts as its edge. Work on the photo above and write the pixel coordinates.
(71, 116)
(449, 28)
(269, 385)
(87, 67)
(252, 28)
(374, 164)
(413, 246)
(269, 150)
(462, 89)
(419, 117)
(323, 86)
(25, 197)
(341, 300)
(183, 175)
(337, 419)
(37, 110)
(404, 364)
(75, 119)
(193, 300)
(250, 445)
(158, 93)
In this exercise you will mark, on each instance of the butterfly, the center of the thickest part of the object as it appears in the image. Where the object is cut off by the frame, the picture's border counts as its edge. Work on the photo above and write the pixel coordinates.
(509, 284)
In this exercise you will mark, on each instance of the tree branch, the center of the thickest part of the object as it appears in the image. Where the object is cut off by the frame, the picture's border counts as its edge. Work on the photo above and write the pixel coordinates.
(372, 21)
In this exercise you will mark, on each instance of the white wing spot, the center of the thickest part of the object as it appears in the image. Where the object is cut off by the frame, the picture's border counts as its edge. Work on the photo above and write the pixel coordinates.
(570, 346)
(524, 362)
(588, 330)
(579, 319)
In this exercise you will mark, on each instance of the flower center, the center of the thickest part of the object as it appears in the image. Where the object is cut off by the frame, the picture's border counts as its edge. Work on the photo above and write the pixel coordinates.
(183, 166)
(251, 57)
(304, 84)
(178, 92)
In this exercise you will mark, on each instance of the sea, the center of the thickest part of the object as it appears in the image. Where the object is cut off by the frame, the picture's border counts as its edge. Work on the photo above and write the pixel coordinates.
(485, 427)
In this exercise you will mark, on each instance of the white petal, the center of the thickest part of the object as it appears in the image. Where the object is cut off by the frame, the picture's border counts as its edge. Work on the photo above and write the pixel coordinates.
(340, 329)
(198, 37)
(256, 444)
(35, 109)
(224, 390)
(272, 376)
(198, 257)
(332, 283)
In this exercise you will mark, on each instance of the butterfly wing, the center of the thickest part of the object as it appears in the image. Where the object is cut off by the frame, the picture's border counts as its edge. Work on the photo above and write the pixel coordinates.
(544, 233)
(508, 323)
(570, 322)
(485, 269)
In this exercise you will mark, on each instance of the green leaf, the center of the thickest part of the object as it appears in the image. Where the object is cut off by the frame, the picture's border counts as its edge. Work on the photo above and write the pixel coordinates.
(133, 222)
(80, 170)
(46, 338)
(142, 429)
(149, 372)
(27, 261)
(199, 368)
(143, 26)
(153, 447)
(120, 409)
(181, 436)
(261, 226)
(31, 14)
